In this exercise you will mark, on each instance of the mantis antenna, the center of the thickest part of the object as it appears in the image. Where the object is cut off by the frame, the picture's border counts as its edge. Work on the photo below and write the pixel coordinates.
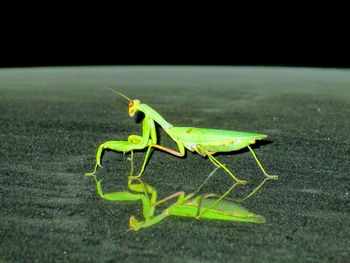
(120, 94)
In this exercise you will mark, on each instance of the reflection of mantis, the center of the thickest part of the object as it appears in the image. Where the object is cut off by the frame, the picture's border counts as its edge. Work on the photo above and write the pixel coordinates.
(205, 207)
(205, 142)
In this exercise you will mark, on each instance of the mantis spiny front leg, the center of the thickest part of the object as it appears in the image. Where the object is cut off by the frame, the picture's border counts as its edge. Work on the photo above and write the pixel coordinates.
(135, 142)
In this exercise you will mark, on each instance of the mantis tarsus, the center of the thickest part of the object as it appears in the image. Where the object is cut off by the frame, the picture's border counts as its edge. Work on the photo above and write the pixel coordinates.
(204, 207)
(205, 142)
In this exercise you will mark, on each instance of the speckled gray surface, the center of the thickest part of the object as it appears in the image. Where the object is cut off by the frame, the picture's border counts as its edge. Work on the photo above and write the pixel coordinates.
(53, 119)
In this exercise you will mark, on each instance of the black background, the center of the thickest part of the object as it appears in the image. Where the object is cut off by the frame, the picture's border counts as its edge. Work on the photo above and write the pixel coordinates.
(300, 37)
(75, 54)
(264, 50)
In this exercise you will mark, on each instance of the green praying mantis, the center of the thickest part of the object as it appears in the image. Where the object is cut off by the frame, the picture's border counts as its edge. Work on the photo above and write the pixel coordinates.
(204, 207)
(205, 142)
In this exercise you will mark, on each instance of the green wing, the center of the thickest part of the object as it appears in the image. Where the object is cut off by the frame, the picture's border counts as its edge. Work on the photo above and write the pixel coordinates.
(203, 135)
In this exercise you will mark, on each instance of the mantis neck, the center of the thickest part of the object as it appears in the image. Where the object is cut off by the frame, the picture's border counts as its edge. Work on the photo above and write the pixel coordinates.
(151, 113)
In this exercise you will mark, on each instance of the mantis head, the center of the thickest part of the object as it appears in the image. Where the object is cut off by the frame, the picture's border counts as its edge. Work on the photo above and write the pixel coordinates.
(132, 105)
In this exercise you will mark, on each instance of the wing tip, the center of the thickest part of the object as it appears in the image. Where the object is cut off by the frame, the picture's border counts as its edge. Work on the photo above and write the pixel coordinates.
(260, 136)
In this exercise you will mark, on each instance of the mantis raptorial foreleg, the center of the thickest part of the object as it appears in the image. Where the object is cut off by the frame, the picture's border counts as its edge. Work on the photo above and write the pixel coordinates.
(135, 143)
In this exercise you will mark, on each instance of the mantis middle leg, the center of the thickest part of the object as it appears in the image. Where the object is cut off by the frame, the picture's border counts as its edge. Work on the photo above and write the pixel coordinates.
(181, 152)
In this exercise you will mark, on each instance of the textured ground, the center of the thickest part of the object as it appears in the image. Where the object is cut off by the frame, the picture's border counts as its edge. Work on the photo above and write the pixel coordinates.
(53, 119)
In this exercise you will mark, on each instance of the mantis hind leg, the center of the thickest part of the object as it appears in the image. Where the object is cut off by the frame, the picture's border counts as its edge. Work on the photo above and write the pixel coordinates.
(269, 177)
